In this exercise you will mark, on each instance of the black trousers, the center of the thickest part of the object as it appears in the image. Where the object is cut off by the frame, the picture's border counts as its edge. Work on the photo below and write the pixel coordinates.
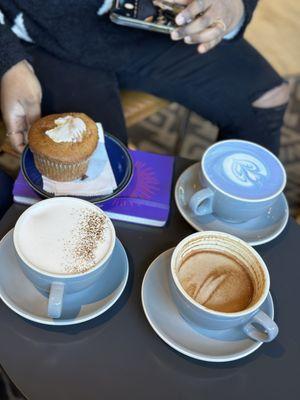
(220, 86)
(6, 198)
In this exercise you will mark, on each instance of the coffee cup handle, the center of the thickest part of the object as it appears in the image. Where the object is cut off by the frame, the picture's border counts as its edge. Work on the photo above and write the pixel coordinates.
(261, 328)
(55, 301)
(201, 202)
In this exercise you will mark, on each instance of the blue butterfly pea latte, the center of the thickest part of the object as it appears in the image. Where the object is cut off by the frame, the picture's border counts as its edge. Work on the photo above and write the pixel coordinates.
(244, 170)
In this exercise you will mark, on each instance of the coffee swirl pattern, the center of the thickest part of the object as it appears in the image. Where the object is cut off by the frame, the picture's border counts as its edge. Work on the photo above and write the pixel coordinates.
(243, 170)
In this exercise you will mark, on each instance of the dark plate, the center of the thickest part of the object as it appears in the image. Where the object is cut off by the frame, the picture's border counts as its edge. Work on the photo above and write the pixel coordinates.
(119, 158)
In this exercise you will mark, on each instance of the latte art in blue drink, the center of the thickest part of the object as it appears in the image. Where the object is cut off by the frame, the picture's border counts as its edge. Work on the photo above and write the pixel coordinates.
(244, 170)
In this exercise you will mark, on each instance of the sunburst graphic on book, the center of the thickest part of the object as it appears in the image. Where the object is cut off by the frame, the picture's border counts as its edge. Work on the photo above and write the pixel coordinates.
(146, 200)
(144, 186)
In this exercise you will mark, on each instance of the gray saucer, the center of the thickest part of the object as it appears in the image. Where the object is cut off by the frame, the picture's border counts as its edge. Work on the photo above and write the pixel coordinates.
(257, 231)
(19, 293)
(170, 326)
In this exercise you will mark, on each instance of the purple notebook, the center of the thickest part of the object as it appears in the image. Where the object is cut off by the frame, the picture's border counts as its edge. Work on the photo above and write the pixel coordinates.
(146, 200)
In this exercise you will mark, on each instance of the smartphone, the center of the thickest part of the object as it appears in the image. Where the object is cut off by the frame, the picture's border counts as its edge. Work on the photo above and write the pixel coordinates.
(153, 15)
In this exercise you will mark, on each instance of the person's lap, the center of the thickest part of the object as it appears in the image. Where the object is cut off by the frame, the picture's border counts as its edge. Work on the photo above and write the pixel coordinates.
(220, 86)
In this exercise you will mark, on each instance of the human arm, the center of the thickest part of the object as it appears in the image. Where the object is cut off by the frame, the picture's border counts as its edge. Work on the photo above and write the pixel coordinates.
(20, 89)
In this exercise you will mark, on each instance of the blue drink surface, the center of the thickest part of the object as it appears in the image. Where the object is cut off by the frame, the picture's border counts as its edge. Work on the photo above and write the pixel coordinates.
(243, 169)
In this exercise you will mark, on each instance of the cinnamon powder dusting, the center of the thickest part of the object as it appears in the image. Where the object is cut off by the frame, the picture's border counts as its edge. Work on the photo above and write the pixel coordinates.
(81, 249)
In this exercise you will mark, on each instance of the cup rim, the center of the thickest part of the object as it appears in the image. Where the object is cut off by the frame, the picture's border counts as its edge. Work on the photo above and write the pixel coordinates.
(51, 274)
(238, 197)
(241, 313)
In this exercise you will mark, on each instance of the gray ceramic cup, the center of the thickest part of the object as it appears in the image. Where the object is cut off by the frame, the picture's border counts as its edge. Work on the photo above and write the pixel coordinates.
(211, 199)
(252, 321)
(55, 286)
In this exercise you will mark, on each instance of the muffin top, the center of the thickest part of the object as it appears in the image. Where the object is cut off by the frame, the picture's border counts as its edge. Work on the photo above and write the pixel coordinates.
(68, 137)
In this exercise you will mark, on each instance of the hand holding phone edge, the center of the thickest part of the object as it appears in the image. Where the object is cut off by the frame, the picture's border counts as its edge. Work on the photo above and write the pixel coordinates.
(197, 22)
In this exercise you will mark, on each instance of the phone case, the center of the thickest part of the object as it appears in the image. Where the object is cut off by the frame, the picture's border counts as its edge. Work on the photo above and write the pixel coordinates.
(157, 15)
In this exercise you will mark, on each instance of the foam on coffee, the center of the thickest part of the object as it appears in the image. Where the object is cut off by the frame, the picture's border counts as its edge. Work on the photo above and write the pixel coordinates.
(244, 169)
(217, 281)
(64, 237)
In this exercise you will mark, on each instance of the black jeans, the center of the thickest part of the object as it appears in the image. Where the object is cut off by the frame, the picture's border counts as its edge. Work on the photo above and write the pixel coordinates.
(220, 86)
(6, 197)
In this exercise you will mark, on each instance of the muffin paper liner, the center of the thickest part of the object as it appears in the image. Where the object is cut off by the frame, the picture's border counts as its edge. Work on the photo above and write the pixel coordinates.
(60, 171)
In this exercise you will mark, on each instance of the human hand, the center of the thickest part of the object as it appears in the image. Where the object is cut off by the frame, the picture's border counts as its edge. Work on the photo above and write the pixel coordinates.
(21, 96)
(207, 21)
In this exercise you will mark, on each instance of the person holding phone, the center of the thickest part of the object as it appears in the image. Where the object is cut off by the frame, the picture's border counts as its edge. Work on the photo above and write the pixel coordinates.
(61, 56)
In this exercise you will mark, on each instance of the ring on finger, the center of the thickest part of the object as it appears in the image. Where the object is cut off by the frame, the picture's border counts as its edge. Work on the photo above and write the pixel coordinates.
(12, 133)
(221, 23)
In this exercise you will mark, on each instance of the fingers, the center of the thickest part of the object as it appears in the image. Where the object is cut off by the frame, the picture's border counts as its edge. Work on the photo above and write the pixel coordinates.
(172, 3)
(195, 8)
(33, 113)
(17, 141)
(198, 25)
(180, 2)
(18, 118)
(204, 47)
(20, 101)
(205, 28)
(15, 122)
(18, 126)
(208, 35)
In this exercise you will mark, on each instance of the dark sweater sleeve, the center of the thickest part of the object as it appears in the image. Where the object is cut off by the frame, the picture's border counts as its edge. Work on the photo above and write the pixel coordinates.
(11, 49)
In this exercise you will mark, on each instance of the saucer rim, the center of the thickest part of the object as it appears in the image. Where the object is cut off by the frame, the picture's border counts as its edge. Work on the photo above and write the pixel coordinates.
(93, 199)
(258, 242)
(64, 322)
(202, 357)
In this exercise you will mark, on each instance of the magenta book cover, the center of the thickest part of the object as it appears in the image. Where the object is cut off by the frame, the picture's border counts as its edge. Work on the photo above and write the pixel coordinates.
(146, 200)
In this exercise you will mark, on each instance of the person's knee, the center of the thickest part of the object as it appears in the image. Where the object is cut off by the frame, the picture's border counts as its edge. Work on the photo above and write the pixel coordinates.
(263, 124)
(273, 98)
